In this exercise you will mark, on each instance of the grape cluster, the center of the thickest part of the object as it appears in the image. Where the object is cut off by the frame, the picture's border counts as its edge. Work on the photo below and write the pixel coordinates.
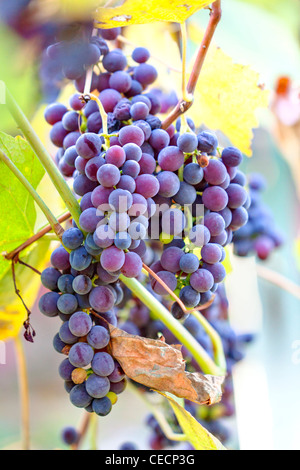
(259, 236)
(85, 304)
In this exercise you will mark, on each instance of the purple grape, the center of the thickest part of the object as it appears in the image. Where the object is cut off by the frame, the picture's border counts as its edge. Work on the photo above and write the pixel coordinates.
(232, 157)
(98, 337)
(48, 304)
(140, 55)
(79, 396)
(171, 158)
(108, 175)
(112, 259)
(102, 406)
(215, 173)
(90, 218)
(92, 167)
(88, 145)
(54, 113)
(132, 266)
(211, 253)
(131, 135)
(109, 99)
(193, 174)
(80, 324)
(65, 370)
(60, 259)
(189, 263)
(187, 142)
(101, 299)
(139, 111)
(215, 223)
(81, 355)
(115, 155)
(202, 280)
(215, 198)
(189, 297)
(168, 278)
(49, 278)
(169, 183)
(103, 364)
(145, 74)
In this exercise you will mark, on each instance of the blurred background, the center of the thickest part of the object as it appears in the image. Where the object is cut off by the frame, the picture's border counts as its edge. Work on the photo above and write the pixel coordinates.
(264, 35)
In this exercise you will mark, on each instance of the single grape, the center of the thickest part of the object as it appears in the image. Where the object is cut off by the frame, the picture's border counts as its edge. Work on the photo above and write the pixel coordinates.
(79, 397)
(101, 299)
(81, 355)
(103, 364)
(102, 406)
(50, 277)
(80, 324)
(96, 386)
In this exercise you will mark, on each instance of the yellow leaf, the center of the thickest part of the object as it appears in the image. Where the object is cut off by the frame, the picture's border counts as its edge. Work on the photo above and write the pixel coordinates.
(149, 11)
(227, 97)
(196, 434)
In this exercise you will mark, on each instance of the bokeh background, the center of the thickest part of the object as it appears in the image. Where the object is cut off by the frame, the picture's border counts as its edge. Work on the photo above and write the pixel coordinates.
(265, 35)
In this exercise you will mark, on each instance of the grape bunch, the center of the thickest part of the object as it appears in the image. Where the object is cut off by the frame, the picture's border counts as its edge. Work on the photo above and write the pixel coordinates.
(85, 303)
(260, 235)
(169, 198)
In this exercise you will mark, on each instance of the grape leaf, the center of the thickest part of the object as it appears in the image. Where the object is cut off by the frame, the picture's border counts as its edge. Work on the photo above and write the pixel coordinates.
(18, 213)
(160, 366)
(227, 96)
(150, 11)
(196, 434)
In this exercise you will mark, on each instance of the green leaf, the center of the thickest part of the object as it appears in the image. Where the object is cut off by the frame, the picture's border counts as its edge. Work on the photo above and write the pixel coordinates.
(17, 213)
(196, 434)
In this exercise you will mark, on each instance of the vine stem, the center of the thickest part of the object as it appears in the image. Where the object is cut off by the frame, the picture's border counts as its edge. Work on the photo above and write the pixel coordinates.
(204, 361)
(12, 254)
(23, 392)
(278, 280)
(183, 106)
(44, 157)
(55, 225)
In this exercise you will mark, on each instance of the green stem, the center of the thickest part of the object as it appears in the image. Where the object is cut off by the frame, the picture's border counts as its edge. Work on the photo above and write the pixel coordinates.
(44, 157)
(57, 228)
(204, 361)
(219, 355)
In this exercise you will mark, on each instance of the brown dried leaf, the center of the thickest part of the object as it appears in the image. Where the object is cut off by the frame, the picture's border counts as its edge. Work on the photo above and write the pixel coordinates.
(161, 367)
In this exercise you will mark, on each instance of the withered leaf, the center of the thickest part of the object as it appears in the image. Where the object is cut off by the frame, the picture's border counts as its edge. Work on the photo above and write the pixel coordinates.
(161, 367)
